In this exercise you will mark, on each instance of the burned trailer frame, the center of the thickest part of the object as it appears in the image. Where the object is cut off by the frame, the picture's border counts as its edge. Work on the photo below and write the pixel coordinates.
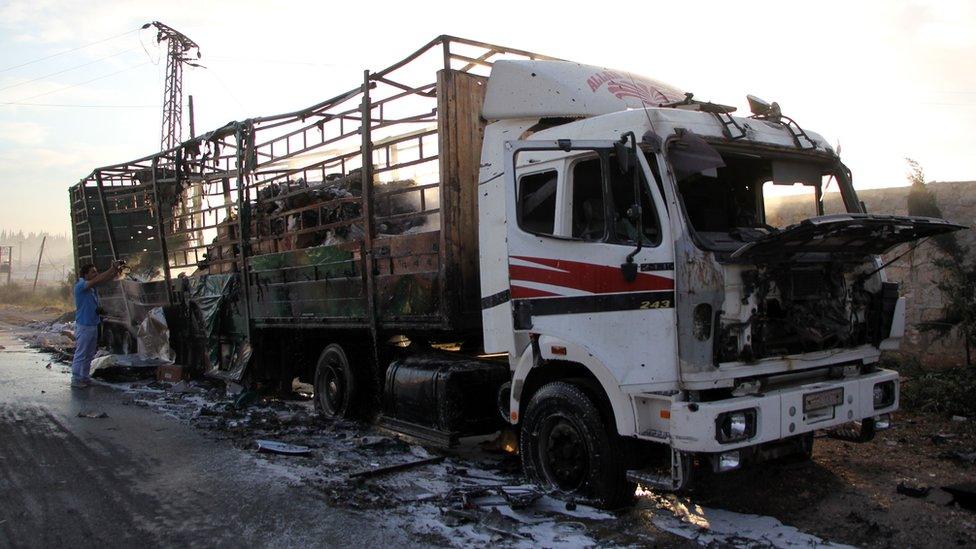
(324, 246)
(149, 212)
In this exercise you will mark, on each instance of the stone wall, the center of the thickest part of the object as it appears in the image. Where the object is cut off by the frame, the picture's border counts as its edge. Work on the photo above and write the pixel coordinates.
(915, 271)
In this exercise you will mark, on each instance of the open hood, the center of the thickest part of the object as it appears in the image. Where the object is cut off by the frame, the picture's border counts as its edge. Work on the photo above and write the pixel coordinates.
(849, 235)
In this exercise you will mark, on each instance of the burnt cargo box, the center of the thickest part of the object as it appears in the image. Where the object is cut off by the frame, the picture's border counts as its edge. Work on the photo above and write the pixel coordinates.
(447, 393)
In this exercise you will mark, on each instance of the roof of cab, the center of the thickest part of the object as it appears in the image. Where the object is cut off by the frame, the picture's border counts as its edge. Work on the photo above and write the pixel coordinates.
(544, 89)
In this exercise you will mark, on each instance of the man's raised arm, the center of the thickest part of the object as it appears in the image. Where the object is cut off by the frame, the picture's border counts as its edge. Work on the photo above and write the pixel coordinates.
(106, 275)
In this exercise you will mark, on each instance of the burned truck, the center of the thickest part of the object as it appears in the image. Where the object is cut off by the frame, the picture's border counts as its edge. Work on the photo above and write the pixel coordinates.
(479, 238)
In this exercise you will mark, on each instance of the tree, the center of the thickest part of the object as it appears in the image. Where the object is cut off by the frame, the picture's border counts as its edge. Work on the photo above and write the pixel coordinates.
(958, 284)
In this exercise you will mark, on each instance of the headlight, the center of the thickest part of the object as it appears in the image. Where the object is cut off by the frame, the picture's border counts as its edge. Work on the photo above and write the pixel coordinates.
(735, 426)
(884, 394)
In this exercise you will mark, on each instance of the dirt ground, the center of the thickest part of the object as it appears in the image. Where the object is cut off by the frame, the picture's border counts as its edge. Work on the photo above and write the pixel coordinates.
(848, 493)
(19, 315)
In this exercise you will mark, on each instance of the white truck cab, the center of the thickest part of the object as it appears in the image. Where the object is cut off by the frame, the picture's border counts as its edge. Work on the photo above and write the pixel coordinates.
(634, 272)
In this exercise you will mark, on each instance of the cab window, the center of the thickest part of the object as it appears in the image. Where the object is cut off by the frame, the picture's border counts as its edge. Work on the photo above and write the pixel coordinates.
(589, 212)
(603, 203)
(537, 202)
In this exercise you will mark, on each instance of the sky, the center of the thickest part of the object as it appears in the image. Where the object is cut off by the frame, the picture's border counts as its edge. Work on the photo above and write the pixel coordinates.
(885, 80)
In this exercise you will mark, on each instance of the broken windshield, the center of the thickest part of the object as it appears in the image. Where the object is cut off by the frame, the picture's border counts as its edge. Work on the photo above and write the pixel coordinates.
(749, 196)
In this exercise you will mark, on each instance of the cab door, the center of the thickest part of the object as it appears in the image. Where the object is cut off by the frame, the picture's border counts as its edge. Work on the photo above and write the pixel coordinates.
(572, 223)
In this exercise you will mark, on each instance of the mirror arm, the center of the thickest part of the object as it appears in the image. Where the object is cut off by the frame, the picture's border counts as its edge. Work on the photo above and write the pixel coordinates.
(629, 268)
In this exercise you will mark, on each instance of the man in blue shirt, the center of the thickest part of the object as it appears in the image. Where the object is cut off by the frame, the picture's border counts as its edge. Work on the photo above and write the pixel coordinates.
(87, 321)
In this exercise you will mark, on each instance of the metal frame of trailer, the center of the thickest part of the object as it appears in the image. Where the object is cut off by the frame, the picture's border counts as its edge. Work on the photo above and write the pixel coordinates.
(203, 206)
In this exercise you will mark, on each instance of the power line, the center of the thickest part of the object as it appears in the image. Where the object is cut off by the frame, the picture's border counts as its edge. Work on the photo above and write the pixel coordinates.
(250, 60)
(23, 99)
(82, 106)
(226, 87)
(39, 59)
(67, 70)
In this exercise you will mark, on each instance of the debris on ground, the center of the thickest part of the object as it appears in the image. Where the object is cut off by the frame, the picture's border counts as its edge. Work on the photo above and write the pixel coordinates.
(941, 438)
(57, 338)
(519, 497)
(93, 415)
(245, 399)
(275, 447)
(913, 489)
(956, 455)
(129, 367)
(844, 494)
(366, 473)
(964, 494)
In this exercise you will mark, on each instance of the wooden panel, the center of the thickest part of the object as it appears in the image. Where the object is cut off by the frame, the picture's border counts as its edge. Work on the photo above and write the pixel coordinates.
(461, 129)
(324, 282)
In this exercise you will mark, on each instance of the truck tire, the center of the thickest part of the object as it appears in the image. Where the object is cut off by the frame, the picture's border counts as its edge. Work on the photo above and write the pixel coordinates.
(567, 447)
(335, 383)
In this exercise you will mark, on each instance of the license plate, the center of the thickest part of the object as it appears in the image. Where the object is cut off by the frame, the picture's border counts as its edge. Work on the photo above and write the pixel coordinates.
(823, 399)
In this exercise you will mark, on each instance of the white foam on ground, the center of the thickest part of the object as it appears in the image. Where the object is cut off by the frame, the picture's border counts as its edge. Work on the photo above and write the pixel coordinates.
(427, 519)
(546, 523)
(717, 527)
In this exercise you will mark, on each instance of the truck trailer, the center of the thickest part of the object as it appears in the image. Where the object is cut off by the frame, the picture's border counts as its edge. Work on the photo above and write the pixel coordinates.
(480, 239)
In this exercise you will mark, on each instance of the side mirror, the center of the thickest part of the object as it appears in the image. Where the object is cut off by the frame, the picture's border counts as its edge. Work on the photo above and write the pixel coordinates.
(629, 271)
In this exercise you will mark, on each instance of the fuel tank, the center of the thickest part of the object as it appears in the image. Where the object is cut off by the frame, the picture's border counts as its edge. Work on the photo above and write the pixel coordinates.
(444, 392)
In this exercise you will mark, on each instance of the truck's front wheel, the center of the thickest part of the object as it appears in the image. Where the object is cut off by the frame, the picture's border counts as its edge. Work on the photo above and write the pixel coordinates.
(335, 385)
(567, 447)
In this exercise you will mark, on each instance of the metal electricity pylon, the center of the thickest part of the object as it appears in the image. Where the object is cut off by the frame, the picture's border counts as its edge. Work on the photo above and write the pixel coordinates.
(179, 47)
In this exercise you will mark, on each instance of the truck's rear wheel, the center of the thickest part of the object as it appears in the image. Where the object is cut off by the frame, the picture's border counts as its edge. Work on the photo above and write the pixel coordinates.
(335, 384)
(566, 447)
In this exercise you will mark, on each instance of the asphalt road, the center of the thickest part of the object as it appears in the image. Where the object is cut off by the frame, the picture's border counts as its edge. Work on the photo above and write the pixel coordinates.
(132, 479)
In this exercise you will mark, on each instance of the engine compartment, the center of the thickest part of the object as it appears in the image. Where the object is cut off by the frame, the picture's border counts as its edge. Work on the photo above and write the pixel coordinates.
(792, 308)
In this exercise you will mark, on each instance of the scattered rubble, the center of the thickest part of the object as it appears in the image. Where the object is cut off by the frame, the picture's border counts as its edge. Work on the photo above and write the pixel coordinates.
(963, 457)
(461, 499)
(57, 338)
(913, 489)
(396, 467)
(964, 494)
(93, 415)
(275, 447)
(360, 466)
(942, 438)
(124, 367)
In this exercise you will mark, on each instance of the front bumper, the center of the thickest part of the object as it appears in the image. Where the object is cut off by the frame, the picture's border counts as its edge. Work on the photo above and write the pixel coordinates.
(779, 413)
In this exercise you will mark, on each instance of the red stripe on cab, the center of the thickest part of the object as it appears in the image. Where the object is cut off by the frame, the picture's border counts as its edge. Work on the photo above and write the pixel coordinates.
(588, 277)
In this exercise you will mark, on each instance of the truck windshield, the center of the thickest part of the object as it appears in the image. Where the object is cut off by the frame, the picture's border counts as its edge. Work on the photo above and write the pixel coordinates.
(751, 196)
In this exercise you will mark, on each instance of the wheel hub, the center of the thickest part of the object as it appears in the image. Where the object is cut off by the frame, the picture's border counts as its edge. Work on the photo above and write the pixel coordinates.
(564, 459)
(333, 385)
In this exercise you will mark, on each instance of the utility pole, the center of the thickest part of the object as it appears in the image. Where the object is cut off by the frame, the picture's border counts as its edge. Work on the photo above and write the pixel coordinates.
(193, 132)
(179, 47)
(7, 261)
(38, 271)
